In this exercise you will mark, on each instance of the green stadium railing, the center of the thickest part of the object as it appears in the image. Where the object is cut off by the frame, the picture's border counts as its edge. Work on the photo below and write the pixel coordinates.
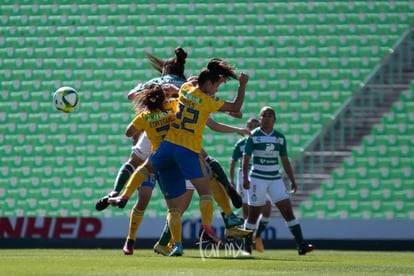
(399, 57)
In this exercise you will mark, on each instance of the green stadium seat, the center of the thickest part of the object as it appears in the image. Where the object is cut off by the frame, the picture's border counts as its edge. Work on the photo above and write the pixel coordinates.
(320, 50)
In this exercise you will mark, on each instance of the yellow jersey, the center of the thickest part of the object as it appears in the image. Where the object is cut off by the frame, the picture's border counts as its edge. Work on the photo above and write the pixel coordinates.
(194, 108)
(156, 124)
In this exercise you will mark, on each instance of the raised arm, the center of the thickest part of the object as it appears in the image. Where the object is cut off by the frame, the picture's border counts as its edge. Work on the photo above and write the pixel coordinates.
(219, 127)
(236, 105)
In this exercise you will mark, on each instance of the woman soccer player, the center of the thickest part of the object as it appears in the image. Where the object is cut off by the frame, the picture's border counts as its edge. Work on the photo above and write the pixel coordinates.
(179, 154)
(266, 145)
(237, 155)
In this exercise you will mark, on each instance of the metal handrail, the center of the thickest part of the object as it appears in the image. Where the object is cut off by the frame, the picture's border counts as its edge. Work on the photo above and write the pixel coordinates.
(396, 51)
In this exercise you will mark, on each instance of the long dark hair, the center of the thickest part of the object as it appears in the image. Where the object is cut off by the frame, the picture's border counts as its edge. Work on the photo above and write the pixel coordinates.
(216, 68)
(175, 64)
(151, 98)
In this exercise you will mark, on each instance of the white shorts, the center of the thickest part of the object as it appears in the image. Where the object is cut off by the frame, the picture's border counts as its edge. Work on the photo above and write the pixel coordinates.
(142, 148)
(260, 188)
(243, 192)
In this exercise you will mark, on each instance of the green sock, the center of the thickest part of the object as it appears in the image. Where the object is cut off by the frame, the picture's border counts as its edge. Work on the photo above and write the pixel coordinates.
(248, 240)
(218, 171)
(263, 222)
(165, 236)
(123, 176)
(296, 231)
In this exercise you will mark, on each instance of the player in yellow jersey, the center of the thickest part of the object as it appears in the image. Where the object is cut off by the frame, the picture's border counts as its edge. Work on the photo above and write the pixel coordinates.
(179, 156)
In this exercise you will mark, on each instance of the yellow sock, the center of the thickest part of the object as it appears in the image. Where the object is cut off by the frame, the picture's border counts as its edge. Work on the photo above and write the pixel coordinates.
(174, 222)
(135, 220)
(206, 209)
(135, 181)
(220, 196)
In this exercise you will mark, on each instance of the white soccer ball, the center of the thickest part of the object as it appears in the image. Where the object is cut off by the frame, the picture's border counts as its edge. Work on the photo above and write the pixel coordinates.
(66, 99)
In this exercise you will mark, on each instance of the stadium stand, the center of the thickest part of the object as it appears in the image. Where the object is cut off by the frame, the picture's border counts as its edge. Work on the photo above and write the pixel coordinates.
(306, 58)
(376, 181)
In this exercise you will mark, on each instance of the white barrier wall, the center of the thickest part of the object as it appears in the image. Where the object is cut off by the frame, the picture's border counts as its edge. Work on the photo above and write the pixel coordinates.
(23, 227)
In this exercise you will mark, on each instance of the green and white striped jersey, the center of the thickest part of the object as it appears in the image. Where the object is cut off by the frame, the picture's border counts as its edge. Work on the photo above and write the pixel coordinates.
(265, 150)
(238, 150)
(166, 79)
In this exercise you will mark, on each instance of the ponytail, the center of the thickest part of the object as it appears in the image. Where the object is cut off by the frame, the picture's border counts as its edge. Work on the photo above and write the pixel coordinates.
(222, 68)
(175, 64)
(155, 62)
(216, 69)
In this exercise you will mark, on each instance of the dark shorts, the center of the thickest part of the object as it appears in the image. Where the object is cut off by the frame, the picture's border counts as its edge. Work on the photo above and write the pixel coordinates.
(150, 181)
(175, 164)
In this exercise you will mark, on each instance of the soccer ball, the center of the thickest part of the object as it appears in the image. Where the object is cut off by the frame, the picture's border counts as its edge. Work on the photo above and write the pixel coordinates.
(66, 99)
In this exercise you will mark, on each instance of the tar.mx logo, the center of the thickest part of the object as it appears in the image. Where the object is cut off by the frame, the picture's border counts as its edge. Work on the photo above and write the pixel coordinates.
(216, 249)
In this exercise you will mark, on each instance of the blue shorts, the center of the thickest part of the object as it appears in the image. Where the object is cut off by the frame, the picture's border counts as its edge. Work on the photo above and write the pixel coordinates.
(176, 164)
(172, 182)
(150, 181)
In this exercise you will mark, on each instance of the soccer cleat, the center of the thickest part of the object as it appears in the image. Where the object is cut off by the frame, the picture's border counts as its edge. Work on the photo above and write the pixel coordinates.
(129, 247)
(207, 234)
(177, 249)
(305, 248)
(119, 201)
(162, 249)
(259, 244)
(102, 203)
(236, 232)
(236, 199)
(231, 220)
(246, 249)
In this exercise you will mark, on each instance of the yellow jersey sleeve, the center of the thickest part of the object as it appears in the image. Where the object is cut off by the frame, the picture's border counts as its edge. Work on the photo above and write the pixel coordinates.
(194, 108)
(156, 124)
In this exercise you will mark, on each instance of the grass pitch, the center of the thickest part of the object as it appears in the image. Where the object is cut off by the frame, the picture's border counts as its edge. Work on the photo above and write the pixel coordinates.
(218, 263)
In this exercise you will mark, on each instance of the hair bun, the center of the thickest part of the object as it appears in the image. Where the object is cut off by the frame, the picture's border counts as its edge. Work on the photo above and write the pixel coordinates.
(180, 54)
